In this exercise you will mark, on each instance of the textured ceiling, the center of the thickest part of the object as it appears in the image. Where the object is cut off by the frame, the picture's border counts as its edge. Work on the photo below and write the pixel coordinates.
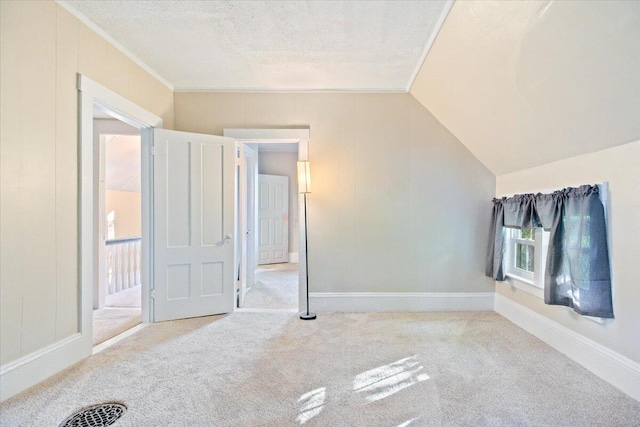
(273, 45)
(527, 83)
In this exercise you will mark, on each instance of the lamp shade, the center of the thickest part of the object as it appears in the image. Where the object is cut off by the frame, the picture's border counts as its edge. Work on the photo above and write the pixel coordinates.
(304, 177)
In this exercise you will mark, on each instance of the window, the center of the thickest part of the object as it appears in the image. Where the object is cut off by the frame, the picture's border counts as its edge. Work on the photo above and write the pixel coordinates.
(525, 258)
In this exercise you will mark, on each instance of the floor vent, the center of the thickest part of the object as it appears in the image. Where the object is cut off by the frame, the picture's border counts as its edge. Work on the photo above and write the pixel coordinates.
(104, 414)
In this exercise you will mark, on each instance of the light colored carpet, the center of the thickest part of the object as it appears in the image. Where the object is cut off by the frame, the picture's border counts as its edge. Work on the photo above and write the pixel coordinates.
(111, 321)
(276, 286)
(122, 312)
(128, 298)
(364, 369)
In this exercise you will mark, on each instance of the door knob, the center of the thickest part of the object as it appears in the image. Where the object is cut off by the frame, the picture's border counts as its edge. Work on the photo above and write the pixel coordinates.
(227, 238)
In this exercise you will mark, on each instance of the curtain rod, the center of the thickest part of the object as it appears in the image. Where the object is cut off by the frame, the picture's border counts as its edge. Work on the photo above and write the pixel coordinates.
(603, 186)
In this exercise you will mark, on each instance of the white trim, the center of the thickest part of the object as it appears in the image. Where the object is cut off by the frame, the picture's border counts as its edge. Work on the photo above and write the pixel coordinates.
(294, 257)
(111, 341)
(280, 90)
(524, 285)
(609, 365)
(87, 228)
(146, 223)
(534, 278)
(29, 370)
(262, 135)
(432, 38)
(93, 93)
(118, 105)
(266, 310)
(16, 364)
(114, 127)
(102, 33)
(400, 301)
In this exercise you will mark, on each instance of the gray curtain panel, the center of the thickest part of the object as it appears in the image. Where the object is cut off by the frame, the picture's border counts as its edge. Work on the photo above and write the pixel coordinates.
(577, 270)
(495, 249)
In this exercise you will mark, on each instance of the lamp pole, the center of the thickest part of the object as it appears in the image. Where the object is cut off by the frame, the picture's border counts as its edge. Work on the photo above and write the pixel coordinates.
(307, 315)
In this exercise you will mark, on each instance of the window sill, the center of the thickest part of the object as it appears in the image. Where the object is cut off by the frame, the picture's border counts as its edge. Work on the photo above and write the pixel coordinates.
(525, 285)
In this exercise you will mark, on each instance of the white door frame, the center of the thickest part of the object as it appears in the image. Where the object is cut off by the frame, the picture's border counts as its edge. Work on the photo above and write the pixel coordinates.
(42, 364)
(90, 94)
(280, 136)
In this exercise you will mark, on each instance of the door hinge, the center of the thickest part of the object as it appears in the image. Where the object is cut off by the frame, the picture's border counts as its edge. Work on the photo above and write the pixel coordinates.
(152, 293)
(153, 150)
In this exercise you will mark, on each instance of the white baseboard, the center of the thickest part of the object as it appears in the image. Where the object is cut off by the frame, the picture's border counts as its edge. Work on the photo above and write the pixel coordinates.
(266, 310)
(33, 368)
(402, 301)
(294, 257)
(111, 341)
(616, 369)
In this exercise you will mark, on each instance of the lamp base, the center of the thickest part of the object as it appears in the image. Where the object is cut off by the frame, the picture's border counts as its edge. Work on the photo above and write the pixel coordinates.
(307, 316)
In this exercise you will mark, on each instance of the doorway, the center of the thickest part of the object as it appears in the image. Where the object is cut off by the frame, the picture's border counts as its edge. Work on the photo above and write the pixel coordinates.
(164, 153)
(96, 100)
(117, 305)
(276, 275)
(270, 283)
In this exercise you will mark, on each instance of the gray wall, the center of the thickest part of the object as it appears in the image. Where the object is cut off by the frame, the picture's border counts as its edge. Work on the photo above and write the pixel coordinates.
(284, 164)
(398, 203)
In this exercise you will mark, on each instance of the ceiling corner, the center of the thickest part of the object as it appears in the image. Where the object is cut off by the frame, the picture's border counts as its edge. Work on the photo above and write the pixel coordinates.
(102, 33)
(432, 38)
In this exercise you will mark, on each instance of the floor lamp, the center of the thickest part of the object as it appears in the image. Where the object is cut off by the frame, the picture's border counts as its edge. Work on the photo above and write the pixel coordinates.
(304, 187)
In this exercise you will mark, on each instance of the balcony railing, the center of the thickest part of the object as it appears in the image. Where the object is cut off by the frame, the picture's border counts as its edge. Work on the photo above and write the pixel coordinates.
(123, 264)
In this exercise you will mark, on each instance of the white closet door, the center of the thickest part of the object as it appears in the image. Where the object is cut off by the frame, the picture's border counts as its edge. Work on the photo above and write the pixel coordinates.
(273, 219)
(193, 214)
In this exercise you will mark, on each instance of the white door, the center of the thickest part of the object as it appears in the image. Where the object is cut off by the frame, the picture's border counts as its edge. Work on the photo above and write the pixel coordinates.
(248, 180)
(273, 219)
(193, 214)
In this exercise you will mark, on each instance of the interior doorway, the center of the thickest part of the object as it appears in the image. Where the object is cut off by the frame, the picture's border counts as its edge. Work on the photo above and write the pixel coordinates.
(117, 305)
(96, 100)
(276, 274)
(269, 218)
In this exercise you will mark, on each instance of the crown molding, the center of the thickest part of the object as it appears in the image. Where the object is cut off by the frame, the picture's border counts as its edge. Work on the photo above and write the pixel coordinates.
(297, 90)
(102, 33)
(432, 38)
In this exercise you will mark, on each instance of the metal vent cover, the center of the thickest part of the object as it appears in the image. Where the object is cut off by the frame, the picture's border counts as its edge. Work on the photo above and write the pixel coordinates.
(103, 414)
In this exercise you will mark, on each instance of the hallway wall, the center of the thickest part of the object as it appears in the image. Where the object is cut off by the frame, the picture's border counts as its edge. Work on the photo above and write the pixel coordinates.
(127, 206)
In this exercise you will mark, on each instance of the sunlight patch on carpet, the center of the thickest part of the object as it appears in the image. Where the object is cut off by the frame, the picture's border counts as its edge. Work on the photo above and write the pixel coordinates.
(313, 404)
(386, 380)
(408, 422)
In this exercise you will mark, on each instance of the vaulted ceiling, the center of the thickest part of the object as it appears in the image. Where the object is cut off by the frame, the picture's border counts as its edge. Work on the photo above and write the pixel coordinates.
(519, 83)
(525, 83)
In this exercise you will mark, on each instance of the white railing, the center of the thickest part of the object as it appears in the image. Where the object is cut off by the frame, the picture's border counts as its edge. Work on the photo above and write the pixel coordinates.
(123, 264)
